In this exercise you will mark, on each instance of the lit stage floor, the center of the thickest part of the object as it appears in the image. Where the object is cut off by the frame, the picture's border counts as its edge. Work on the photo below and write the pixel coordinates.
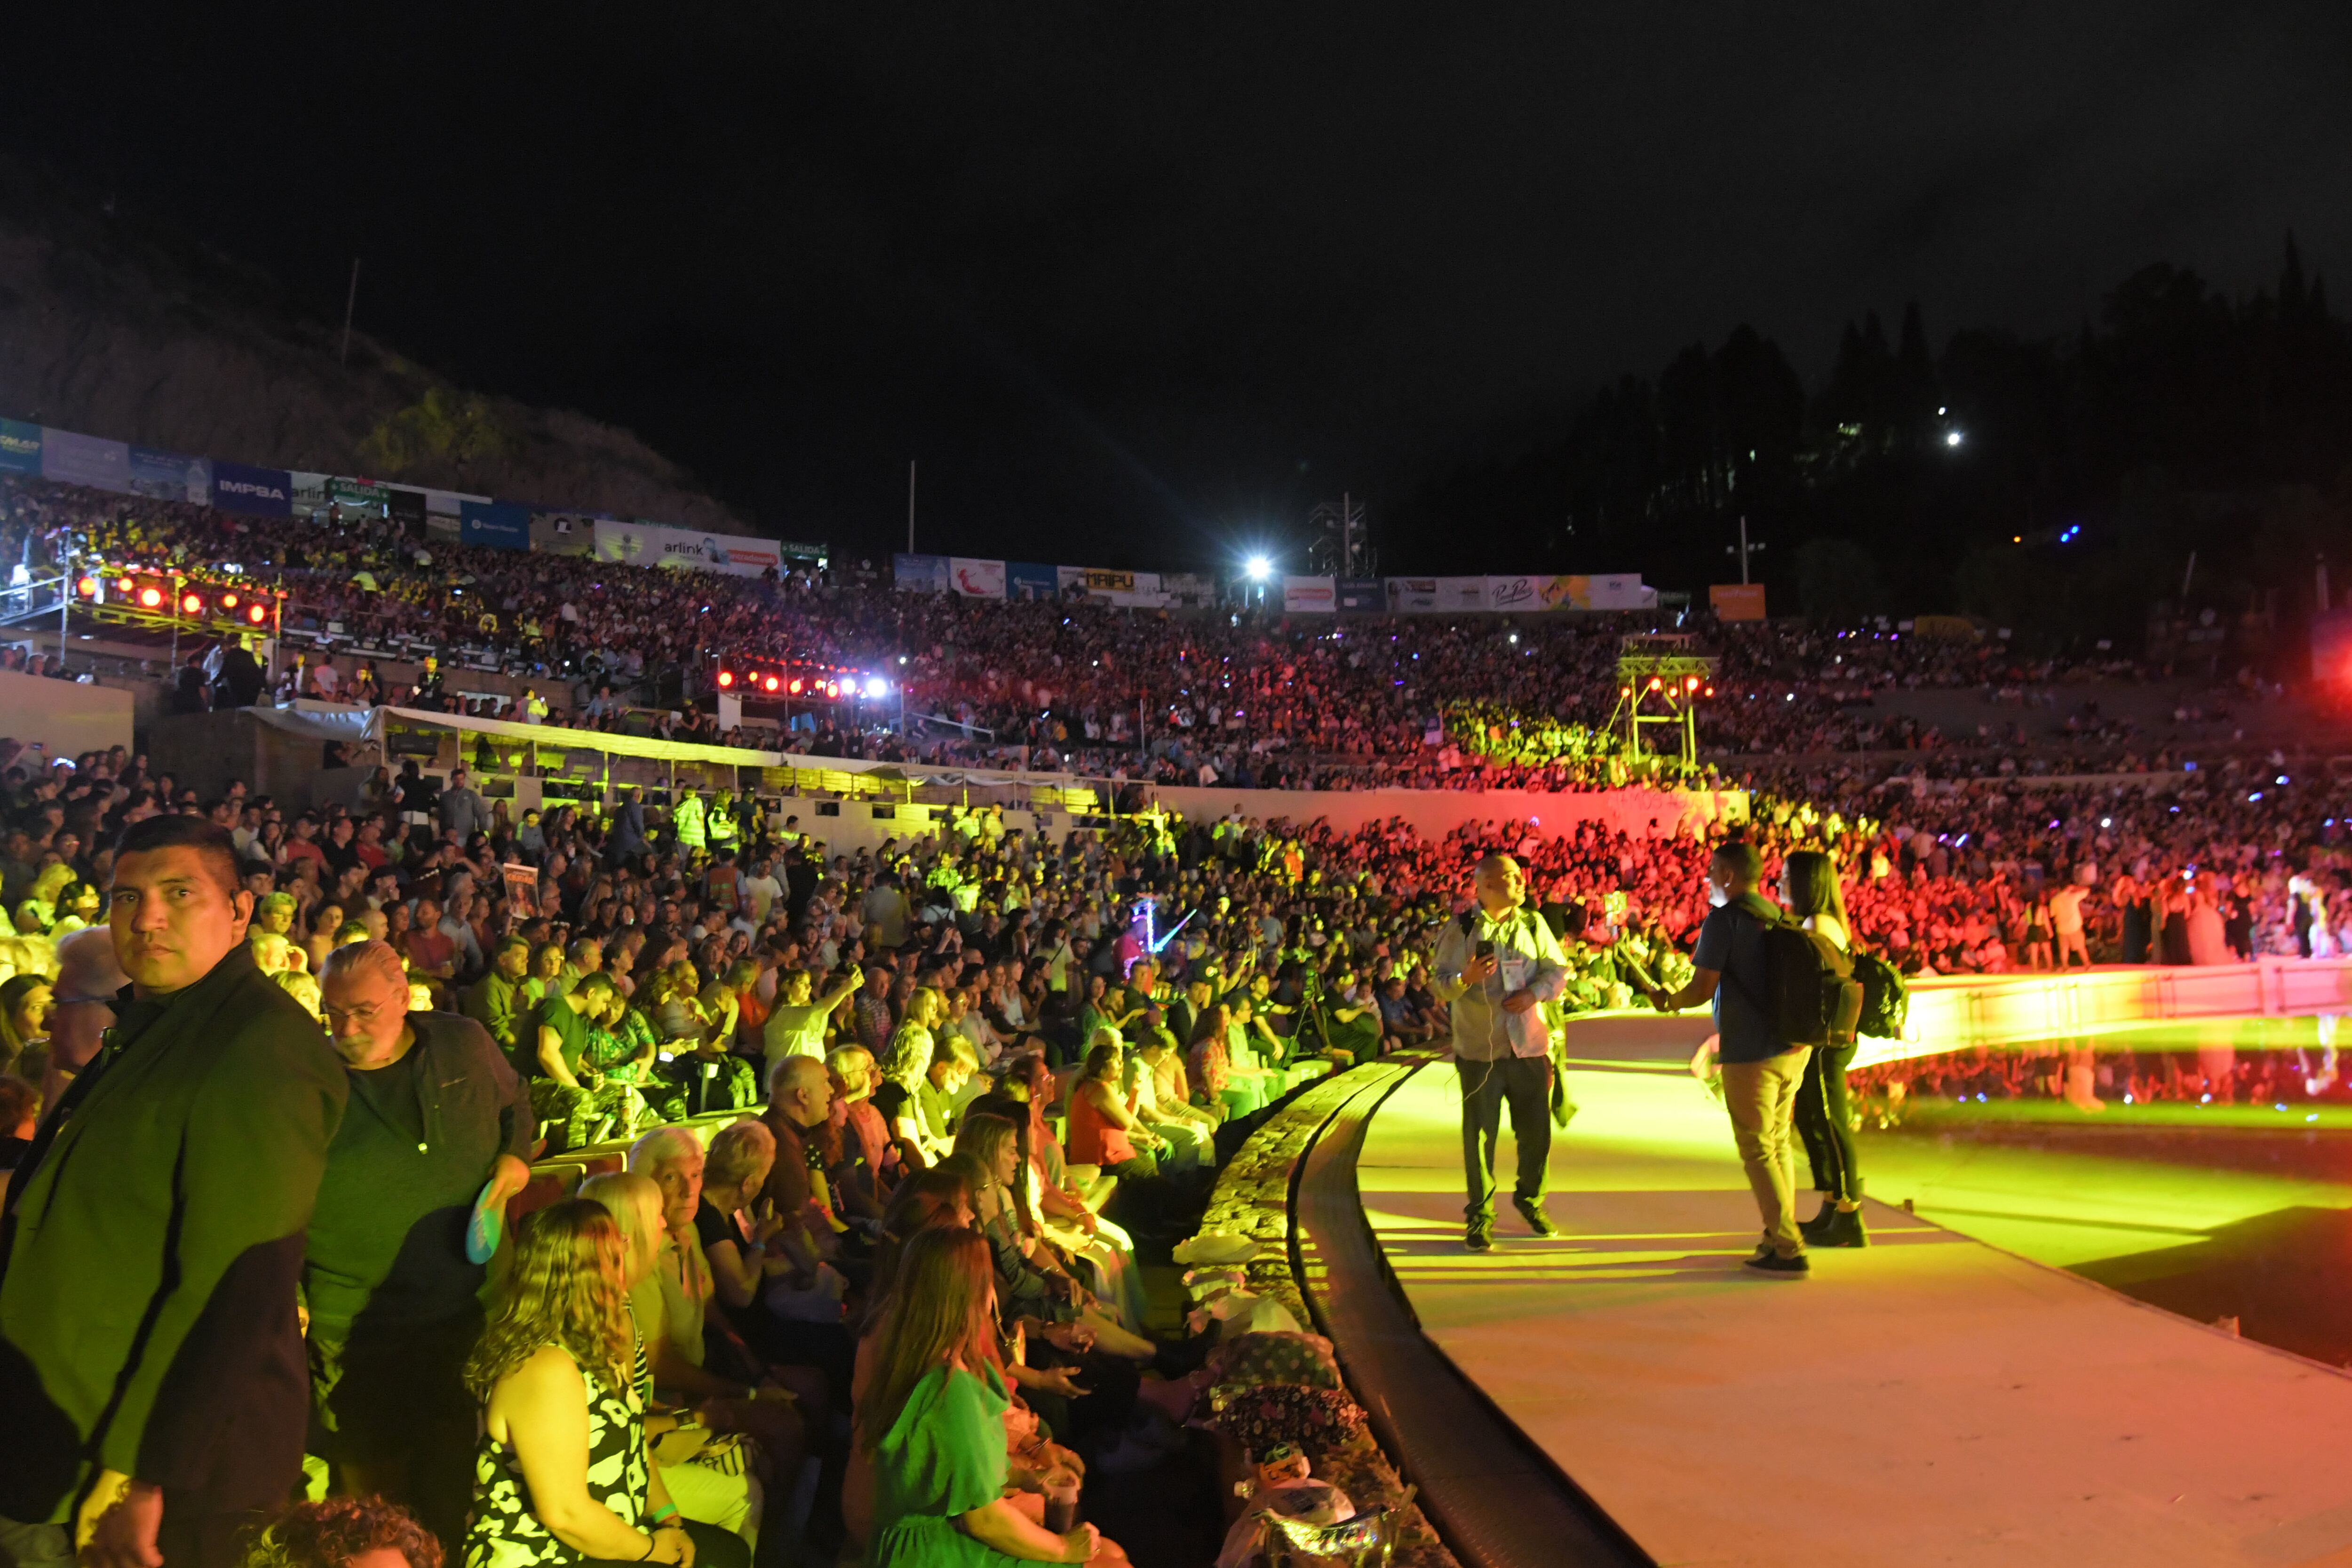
(1931, 1400)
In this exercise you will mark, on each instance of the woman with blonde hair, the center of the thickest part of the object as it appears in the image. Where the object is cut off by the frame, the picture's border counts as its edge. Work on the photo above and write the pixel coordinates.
(932, 1424)
(722, 1494)
(561, 1476)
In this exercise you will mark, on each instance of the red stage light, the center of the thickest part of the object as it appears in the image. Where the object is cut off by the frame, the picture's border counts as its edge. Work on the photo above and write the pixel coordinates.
(151, 598)
(1692, 684)
(87, 587)
(725, 678)
(796, 688)
(228, 601)
(1654, 683)
(125, 586)
(255, 614)
(770, 684)
(832, 689)
(192, 605)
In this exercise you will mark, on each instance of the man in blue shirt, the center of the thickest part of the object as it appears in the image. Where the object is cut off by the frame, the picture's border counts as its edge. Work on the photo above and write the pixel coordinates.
(1760, 1073)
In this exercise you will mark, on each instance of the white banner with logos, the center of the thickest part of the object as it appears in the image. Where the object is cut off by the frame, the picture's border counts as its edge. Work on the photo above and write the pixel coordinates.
(1309, 596)
(976, 579)
(655, 544)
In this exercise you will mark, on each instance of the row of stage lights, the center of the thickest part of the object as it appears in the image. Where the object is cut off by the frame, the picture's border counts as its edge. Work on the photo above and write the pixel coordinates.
(785, 684)
(161, 597)
(1691, 687)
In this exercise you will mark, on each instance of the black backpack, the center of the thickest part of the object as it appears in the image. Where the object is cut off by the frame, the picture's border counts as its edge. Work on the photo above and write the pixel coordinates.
(1885, 996)
(1811, 997)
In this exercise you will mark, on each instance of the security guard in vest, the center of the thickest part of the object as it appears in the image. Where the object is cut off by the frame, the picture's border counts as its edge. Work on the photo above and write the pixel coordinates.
(686, 820)
(724, 831)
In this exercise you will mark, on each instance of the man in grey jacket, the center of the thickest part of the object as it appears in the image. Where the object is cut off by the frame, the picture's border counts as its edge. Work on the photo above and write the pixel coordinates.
(1494, 965)
(462, 811)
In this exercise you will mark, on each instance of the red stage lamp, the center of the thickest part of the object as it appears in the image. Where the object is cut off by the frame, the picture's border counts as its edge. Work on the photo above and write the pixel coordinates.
(725, 678)
(228, 601)
(770, 684)
(87, 587)
(191, 604)
(832, 689)
(255, 614)
(125, 586)
(1654, 683)
(796, 688)
(1710, 691)
(151, 598)
(1692, 684)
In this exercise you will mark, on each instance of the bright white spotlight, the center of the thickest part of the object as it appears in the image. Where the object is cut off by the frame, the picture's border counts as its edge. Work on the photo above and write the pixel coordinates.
(1952, 438)
(876, 686)
(1259, 568)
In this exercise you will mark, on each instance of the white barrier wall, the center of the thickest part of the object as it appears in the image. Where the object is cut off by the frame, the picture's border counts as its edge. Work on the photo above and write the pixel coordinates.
(64, 717)
(1436, 813)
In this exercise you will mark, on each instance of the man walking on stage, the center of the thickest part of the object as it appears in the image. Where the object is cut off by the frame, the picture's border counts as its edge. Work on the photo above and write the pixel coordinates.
(1494, 965)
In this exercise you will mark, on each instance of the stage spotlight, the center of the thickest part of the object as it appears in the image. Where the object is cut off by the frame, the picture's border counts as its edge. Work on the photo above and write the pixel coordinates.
(151, 598)
(255, 614)
(876, 686)
(1258, 568)
(770, 683)
(87, 587)
(191, 604)
(725, 678)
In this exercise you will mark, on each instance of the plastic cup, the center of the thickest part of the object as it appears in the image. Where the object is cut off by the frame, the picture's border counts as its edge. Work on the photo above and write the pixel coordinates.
(1061, 1505)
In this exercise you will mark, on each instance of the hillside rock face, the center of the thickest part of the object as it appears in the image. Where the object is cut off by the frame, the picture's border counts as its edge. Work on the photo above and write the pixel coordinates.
(112, 333)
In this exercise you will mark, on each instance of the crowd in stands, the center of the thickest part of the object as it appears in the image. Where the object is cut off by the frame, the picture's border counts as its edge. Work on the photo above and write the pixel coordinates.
(1244, 700)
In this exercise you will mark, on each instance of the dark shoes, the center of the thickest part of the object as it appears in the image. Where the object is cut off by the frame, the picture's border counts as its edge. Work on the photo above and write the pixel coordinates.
(1811, 1229)
(1480, 1237)
(1531, 1210)
(1772, 1266)
(1844, 1229)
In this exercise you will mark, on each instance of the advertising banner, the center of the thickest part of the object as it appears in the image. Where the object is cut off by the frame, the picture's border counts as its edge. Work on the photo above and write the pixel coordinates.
(921, 573)
(563, 533)
(494, 525)
(20, 447)
(170, 475)
(1029, 580)
(1521, 592)
(311, 492)
(1068, 577)
(1618, 591)
(1309, 596)
(1363, 595)
(1108, 583)
(1196, 589)
(258, 492)
(1736, 601)
(976, 579)
(70, 459)
(687, 549)
(1412, 595)
(1462, 593)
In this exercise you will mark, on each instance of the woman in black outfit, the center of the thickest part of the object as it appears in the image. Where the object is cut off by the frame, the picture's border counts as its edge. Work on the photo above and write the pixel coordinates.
(1809, 885)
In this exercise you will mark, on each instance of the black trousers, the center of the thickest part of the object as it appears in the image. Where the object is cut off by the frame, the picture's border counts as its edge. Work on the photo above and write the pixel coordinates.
(1825, 1121)
(1525, 1084)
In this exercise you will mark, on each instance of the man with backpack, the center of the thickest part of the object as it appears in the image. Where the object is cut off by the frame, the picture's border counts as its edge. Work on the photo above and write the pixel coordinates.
(1747, 963)
(1496, 965)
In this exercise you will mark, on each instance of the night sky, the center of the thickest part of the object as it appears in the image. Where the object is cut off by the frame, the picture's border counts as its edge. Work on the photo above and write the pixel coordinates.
(1138, 285)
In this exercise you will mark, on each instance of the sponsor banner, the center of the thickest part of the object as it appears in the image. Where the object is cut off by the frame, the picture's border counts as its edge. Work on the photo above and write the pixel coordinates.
(1108, 585)
(71, 459)
(1521, 592)
(1412, 595)
(170, 475)
(686, 549)
(1066, 578)
(793, 549)
(919, 573)
(494, 525)
(1736, 601)
(1368, 595)
(563, 533)
(311, 491)
(976, 579)
(1309, 596)
(20, 447)
(258, 492)
(1462, 593)
(1028, 579)
(1198, 589)
(1618, 591)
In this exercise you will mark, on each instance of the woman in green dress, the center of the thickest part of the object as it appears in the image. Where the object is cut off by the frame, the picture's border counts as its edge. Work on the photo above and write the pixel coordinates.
(933, 1424)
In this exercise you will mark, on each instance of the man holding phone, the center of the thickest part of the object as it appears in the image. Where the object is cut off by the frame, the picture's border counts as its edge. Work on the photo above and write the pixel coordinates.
(1493, 965)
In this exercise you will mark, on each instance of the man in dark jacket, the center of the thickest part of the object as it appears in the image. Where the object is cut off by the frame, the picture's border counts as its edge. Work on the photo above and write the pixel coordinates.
(150, 1362)
(438, 1135)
